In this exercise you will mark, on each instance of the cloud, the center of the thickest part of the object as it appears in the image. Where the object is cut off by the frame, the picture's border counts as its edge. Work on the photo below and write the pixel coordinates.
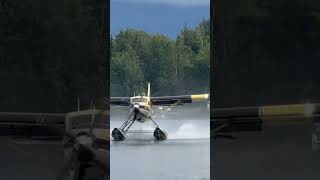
(170, 2)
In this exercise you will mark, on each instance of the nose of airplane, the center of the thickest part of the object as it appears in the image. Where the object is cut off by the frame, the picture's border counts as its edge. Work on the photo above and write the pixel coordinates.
(136, 108)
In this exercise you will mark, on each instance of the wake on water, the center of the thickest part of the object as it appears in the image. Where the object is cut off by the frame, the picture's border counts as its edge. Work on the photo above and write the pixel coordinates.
(175, 129)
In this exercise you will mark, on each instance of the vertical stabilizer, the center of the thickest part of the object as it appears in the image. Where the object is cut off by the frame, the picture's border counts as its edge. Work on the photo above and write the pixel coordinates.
(149, 89)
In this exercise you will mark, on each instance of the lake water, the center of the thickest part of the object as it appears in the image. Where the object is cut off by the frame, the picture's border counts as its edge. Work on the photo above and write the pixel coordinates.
(185, 155)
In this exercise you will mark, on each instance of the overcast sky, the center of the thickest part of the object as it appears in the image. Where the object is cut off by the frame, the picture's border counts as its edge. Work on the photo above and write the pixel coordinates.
(166, 17)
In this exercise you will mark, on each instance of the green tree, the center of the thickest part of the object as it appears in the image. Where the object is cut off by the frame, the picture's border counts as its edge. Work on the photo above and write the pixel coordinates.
(172, 66)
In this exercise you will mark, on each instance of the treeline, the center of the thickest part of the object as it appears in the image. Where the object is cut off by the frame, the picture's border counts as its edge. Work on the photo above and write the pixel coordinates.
(173, 67)
(52, 53)
(266, 52)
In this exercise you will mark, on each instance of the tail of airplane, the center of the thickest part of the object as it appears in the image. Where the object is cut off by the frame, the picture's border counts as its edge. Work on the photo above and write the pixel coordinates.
(149, 89)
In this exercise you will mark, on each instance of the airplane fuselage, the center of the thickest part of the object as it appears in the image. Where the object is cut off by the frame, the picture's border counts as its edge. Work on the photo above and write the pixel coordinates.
(141, 107)
(141, 111)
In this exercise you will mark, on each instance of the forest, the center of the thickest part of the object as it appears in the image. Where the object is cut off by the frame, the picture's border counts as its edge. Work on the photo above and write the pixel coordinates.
(52, 53)
(173, 67)
(266, 52)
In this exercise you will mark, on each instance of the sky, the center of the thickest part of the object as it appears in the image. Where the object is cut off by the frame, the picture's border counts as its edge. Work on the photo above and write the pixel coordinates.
(170, 2)
(166, 17)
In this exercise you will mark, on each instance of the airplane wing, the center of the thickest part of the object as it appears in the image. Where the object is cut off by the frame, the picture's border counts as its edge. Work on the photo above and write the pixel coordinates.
(170, 100)
(237, 119)
(30, 119)
(35, 125)
(120, 101)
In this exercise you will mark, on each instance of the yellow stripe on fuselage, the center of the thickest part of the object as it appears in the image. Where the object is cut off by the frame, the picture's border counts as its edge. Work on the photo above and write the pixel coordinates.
(200, 97)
